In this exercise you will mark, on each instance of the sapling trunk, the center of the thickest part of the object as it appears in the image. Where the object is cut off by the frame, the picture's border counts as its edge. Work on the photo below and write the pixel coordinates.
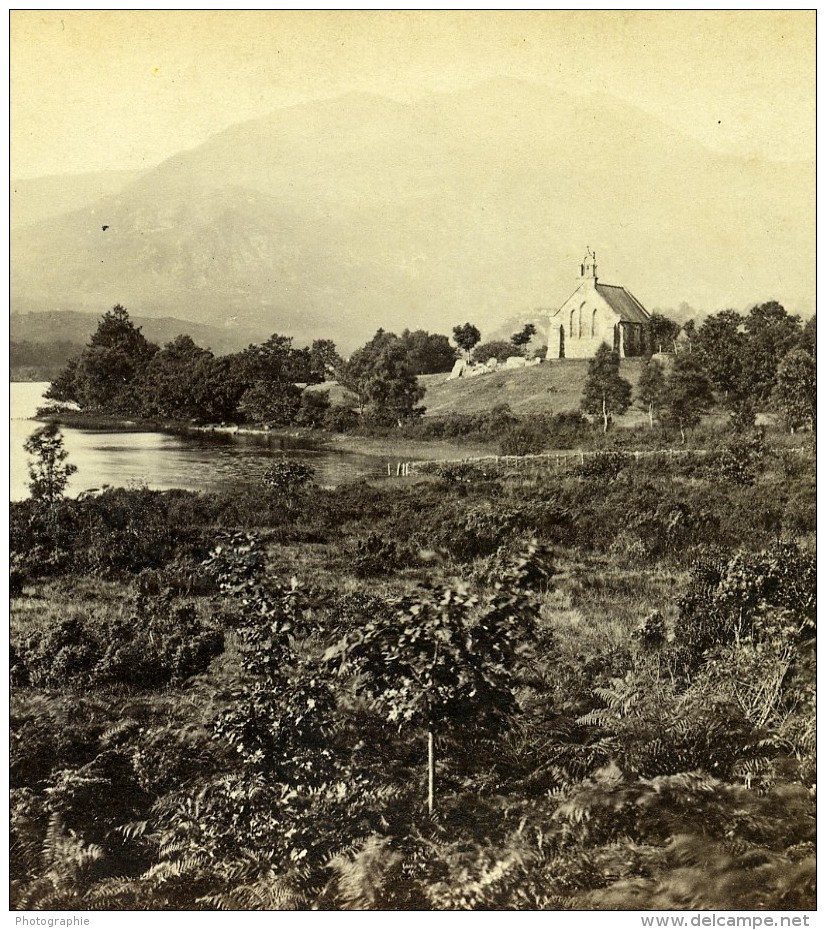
(431, 771)
(604, 415)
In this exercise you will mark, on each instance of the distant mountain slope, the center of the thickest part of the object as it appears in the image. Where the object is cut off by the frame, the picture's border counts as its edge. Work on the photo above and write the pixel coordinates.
(333, 218)
(32, 200)
(74, 327)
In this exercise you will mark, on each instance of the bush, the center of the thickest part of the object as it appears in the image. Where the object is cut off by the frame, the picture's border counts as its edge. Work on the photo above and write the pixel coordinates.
(340, 418)
(288, 476)
(159, 644)
(727, 596)
(377, 555)
(525, 439)
(602, 466)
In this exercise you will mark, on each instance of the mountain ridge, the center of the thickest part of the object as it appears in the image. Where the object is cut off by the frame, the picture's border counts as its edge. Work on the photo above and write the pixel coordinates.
(334, 218)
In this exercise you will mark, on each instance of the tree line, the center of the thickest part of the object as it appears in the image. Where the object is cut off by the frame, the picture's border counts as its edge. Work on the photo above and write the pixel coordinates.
(765, 359)
(120, 372)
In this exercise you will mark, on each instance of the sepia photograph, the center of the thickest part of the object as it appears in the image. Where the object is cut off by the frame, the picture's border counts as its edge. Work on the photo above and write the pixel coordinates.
(413, 464)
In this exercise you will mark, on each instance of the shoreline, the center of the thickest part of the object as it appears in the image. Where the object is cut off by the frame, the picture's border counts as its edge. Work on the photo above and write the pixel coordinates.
(319, 440)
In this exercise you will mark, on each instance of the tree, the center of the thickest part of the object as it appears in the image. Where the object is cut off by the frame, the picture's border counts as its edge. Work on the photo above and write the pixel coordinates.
(795, 393)
(356, 372)
(808, 338)
(429, 353)
(440, 659)
(392, 389)
(170, 384)
(771, 334)
(270, 402)
(521, 339)
(721, 345)
(383, 380)
(49, 474)
(660, 333)
(277, 360)
(313, 408)
(466, 337)
(687, 395)
(605, 393)
(107, 373)
(650, 389)
(324, 359)
(496, 348)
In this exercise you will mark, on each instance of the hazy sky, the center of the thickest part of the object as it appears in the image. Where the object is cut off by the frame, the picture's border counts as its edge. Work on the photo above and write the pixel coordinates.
(107, 90)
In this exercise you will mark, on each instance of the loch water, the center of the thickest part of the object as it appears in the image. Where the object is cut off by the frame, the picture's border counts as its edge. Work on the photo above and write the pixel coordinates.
(197, 461)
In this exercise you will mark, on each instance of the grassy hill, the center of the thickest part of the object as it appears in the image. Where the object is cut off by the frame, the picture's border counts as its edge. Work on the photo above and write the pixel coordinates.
(547, 388)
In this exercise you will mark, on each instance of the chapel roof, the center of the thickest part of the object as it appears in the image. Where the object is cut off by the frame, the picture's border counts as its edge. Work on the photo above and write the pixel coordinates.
(623, 303)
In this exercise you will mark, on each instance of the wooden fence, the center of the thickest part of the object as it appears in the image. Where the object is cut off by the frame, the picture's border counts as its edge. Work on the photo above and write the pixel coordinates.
(547, 461)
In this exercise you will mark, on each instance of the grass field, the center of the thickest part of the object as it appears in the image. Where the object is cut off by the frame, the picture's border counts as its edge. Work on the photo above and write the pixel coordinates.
(547, 388)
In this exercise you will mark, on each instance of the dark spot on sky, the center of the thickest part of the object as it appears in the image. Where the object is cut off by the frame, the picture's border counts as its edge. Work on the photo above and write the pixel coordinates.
(104, 228)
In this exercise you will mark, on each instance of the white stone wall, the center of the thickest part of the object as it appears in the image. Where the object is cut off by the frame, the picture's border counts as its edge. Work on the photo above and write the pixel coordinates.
(587, 322)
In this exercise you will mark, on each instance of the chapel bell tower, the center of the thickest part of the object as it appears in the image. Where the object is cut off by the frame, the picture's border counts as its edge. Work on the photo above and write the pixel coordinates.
(588, 268)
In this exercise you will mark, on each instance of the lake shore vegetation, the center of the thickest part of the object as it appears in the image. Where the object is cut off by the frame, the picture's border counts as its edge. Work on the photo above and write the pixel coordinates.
(589, 689)
(581, 681)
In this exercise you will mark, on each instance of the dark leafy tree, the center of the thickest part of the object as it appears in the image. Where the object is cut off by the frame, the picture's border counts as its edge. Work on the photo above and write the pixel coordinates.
(116, 331)
(324, 360)
(383, 380)
(808, 338)
(687, 395)
(273, 403)
(170, 386)
(49, 473)
(218, 387)
(107, 374)
(429, 353)
(771, 333)
(795, 393)
(660, 333)
(496, 348)
(466, 337)
(313, 408)
(66, 387)
(277, 361)
(606, 394)
(357, 372)
(720, 346)
(393, 392)
(521, 339)
(650, 389)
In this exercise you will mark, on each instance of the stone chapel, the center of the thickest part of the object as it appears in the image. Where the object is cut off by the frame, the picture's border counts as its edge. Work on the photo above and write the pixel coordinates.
(597, 313)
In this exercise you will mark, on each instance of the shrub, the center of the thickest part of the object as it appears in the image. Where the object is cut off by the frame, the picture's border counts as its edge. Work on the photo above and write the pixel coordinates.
(524, 439)
(288, 476)
(602, 466)
(377, 555)
(159, 644)
(727, 596)
(741, 462)
(461, 473)
(340, 418)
